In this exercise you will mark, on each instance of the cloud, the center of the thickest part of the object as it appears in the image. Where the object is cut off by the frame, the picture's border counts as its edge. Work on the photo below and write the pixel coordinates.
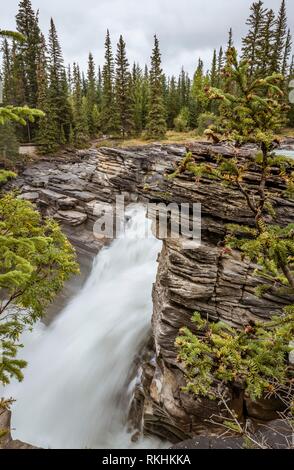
(187, 29)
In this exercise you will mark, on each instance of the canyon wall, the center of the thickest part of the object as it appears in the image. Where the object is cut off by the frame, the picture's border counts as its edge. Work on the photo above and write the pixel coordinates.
(207, 279)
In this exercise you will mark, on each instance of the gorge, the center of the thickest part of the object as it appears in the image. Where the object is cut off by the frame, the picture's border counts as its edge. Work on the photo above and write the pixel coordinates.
(206, 279)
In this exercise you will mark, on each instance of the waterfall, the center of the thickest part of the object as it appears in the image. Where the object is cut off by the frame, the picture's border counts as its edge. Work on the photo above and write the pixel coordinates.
(75, 387)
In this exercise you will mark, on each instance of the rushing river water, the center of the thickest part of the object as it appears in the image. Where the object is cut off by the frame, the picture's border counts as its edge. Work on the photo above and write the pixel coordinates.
(75, 392)
(285, 153)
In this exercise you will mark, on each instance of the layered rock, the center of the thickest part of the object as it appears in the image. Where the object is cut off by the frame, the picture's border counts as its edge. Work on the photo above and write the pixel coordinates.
(205, 279)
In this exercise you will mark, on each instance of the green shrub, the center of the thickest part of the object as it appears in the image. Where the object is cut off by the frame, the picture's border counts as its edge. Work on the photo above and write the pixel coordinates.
(255, 359)
(204, 121)
(182, 120)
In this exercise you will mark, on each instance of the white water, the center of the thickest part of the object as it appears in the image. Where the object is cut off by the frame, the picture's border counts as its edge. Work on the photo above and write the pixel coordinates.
(72, 394)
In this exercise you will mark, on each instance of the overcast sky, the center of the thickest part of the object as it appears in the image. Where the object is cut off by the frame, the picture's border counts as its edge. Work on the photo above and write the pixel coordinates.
(186, 29)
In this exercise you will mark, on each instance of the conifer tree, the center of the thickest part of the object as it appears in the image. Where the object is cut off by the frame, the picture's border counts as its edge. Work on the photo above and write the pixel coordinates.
(220, 66)
(213, 72)
(199, 102)
(91, 97)
(265, 49)
(123, 91)
(156, 125)
(280, 35)
(58, 91)
(145, 97)
(99, 90)
(81, 131)
(6, 73)
(251, 43)
(230, 40)
(287, 53)
(47, 129)
(28, 25)
(173, 104)
(109, 119)
(137, 82)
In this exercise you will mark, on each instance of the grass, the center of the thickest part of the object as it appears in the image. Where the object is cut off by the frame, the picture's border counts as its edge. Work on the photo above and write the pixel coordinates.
(172, 137)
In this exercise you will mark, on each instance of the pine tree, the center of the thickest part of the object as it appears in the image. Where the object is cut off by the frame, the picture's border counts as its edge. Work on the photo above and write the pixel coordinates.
(91, 97)
(109, 118)
(230, 40)
(28, 25)
(81, 131)
(47, 129)
(145, 97)
(213, 72)
(137, 82)
(199, 102)
(7, 73)
(173, 105)
(156, 125)
(123, 91)
(220, 66)
(251, 43)
(280, 36)
(265, 50)
(58, 90)
(287, 53)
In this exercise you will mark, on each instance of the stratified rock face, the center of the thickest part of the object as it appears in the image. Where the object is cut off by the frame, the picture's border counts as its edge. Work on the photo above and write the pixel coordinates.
(205, 279)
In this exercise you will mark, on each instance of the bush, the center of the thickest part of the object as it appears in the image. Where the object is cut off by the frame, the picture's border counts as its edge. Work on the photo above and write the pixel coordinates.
(254, 359)
(182, 120)
(204, 121)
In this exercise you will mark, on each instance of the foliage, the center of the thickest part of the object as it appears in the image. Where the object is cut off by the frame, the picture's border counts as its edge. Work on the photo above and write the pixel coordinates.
(204, 121)
(254, 359)
(36, 260)
(156, 124)
(123, 91)
(122, 102)
(5, 176)
(254, 112)
(182, 120)
(18, 114)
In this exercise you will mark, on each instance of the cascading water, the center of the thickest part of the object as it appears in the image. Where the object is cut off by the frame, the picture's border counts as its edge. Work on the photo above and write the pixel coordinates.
(74, 391)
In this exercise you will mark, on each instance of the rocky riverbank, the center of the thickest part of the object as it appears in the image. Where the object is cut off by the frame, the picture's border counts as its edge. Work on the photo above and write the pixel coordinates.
(206, 279)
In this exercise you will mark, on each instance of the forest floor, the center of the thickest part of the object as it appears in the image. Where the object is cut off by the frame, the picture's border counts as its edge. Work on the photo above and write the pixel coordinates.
(172, 137)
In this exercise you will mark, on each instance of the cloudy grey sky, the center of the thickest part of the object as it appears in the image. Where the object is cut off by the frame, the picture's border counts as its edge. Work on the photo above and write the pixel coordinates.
(187, 29)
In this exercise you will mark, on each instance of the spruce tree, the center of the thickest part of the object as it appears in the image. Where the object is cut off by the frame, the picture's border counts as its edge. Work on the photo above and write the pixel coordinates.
(213, 71)
(220, 66)
(109, 118)
(280, 36)
(251, 42)
(287, 53)
(91, 97)
(199, 102)
(265, 47)
(156, 125)
(28, 25)
(7, 73)
(145, 97)
(123, 91)
(58, 90)
(81, 130)
(173, 105)
(47, 129)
